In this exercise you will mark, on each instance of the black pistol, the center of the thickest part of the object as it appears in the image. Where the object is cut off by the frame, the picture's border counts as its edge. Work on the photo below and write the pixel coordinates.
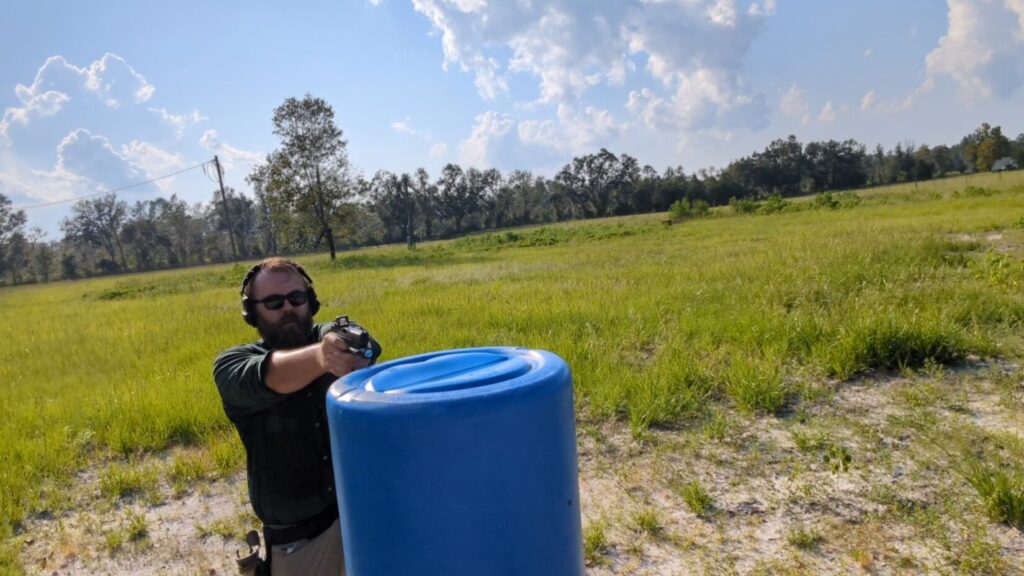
(356, 337)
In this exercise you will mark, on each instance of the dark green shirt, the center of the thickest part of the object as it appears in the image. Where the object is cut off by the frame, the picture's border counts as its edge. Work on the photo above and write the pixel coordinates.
(287, 446)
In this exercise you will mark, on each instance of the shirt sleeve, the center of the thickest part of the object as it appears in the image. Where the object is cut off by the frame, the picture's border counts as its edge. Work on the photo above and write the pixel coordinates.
(239, 373)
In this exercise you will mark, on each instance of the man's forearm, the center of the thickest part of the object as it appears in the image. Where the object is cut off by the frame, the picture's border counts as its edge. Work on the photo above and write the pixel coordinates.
(292, 370)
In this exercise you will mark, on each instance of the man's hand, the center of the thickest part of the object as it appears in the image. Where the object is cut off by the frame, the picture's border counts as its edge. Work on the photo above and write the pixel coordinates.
(335, 357)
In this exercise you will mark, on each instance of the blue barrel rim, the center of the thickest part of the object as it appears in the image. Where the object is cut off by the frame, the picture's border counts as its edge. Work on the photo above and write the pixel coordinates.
(545, 367)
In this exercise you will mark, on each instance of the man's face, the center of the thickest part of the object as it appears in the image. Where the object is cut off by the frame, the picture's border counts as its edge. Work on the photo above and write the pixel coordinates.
(288, 326)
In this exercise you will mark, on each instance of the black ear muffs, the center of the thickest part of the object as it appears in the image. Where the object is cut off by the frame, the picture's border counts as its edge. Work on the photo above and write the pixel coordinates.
(249, 308)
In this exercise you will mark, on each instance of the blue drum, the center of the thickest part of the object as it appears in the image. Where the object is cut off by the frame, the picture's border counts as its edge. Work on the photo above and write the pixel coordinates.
(458, 463)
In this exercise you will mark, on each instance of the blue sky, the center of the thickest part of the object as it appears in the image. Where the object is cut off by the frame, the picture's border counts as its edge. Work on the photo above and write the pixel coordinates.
(95, 98)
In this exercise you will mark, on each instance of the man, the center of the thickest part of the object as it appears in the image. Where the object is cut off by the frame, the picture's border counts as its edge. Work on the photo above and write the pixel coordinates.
(274, 392)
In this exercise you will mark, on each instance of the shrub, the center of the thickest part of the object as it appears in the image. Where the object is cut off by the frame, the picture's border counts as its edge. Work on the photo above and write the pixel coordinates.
(742, 206)
(686, 208)
(773, 204)
(826, 201)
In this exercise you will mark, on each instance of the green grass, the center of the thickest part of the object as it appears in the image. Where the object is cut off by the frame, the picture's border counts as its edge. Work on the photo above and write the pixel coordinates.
(662, 325)
(120, 481)
(595, 542)
(1001, 491)
(804, 538)
(696, 497)
(647, 521)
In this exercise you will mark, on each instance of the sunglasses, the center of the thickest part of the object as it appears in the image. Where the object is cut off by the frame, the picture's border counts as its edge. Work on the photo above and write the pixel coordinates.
(276, 301)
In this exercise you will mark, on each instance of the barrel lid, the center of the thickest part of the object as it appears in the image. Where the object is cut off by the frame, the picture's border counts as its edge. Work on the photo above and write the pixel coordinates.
(468, 371)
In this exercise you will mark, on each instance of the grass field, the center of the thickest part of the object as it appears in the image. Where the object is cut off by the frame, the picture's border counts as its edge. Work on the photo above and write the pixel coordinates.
(665, 327)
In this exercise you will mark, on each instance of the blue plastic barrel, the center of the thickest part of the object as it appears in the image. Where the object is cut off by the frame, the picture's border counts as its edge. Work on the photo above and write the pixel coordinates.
(458, 463)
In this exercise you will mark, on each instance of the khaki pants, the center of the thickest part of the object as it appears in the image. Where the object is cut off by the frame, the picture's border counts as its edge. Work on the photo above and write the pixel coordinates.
(321, 556)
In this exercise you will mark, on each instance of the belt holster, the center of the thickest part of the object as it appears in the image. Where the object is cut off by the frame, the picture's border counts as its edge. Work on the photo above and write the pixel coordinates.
(250, 564)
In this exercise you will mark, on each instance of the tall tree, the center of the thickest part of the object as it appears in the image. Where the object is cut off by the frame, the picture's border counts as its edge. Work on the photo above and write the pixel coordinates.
(309, 173)
(97, 222)
(11, 224)
(427, 202)
(456, 196)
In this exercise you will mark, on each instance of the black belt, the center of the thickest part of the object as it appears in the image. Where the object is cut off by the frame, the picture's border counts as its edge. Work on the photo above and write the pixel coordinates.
(307, 530)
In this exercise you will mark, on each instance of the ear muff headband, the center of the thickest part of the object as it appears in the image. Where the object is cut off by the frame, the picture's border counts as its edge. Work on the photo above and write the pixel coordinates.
(249, 308)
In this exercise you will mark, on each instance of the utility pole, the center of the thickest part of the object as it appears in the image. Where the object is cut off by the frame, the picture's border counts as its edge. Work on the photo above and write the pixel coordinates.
(224, 200)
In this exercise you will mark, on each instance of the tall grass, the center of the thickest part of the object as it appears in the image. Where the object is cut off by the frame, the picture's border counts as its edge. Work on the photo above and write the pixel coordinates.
(658, 323)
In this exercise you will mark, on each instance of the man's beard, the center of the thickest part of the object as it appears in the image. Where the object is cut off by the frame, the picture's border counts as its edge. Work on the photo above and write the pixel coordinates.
(291, 331)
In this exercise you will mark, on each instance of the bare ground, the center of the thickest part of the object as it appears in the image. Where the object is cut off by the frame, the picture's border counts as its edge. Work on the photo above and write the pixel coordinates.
(773, 504)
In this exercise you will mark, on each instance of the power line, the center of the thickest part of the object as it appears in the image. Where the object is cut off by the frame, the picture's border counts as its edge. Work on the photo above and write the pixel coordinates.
(113, 190)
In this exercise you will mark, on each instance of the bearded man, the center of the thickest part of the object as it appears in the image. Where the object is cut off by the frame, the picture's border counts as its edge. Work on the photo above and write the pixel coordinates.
(274, 392)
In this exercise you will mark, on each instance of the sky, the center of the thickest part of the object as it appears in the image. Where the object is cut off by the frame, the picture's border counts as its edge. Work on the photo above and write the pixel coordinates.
(98, 96)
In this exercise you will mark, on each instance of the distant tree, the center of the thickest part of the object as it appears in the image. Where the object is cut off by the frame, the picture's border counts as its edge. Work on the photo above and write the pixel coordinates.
(835, 165)
(923, 164)
(599, 183)
(946, 160)
(458, 198)
(428, 204)
(992, 148)
(97, 222)
(984, 146)
(483, 190)
(309, 173)
(11, 224)
(44, 255)
(241, 219)
(69, 266)
(394, 201)
(18, 257)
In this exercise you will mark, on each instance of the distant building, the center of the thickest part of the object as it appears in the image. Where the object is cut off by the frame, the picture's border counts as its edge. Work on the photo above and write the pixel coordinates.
(1004, 163)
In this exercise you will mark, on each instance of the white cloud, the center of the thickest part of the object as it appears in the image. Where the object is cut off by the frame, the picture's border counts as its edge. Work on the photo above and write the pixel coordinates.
(693, 48)
(233, 158)
(794, 103)
(37, 105)
(404, 127)
(86, 163)
(868, 101)
(110, 79)
(765, 9)
(178, 121)
(438, 150)
(575, 132)
(154, 161)
(868, 52)
(828, 114)
(489, 126)
(982, 49)
(14, 189)
(375, 2)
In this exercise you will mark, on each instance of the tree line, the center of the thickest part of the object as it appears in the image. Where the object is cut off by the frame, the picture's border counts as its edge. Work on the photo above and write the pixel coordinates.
(306, 198)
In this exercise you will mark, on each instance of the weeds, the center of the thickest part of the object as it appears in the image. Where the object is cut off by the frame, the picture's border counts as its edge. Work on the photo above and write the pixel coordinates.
(804, 538)
(893, 344)
(696, 497)
(646, 520)
(756, 386)
(595, 543)
(123, 480)
(1001, 491)
(187, 469)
